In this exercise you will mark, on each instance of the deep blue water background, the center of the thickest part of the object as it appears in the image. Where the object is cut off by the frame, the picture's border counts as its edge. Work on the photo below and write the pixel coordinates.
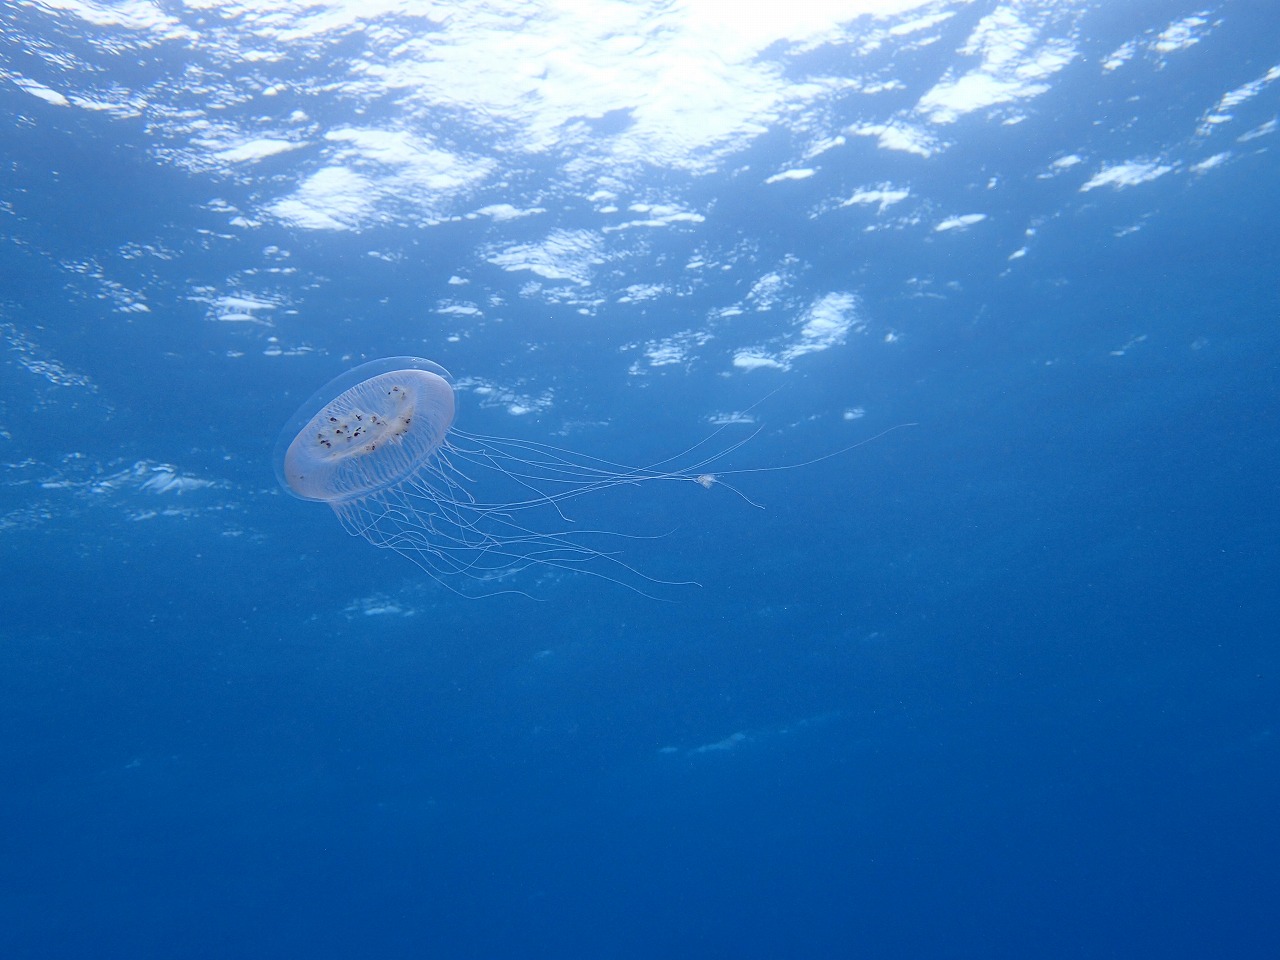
(1006, 682)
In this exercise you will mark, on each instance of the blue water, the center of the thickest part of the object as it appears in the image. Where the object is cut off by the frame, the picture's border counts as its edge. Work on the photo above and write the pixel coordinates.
(1001, 683)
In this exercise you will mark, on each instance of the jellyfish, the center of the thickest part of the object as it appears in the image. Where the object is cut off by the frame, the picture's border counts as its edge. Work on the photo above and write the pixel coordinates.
(378, 444)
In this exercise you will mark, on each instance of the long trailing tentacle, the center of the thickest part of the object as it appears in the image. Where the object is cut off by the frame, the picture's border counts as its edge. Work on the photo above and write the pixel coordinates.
(455, 520)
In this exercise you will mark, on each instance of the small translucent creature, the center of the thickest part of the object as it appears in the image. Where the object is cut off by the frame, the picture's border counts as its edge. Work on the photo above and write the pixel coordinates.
(378, 445)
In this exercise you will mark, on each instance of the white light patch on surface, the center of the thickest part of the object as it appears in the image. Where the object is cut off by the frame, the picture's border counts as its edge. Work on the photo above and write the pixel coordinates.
(1123, 175)
(638, 292)
(800, 174)
(1209, 163)
(32, 359)
(243, 303)
(768, 292)
(960, 222)
(728, 743)
(40, 91)
(883, 196)
(378, 605)
(751, 360)
(137, 15)
(116, 485)
(1016, 65)
(925, 22)
(236, 309)
(665, 354)
(826, 323)
(372, 174)
(501, 212)
(731, 418)
(1248, 91)
(899, 136)
(1221, 112)
(165, 478)
(512, 401)
(1178, 35)
(564, 255)
(255, 150)
(678, 349)
(334, 198)
(1181, 34)
(1120, 56)
(655, 215)
(459, 310)
(1259, 131)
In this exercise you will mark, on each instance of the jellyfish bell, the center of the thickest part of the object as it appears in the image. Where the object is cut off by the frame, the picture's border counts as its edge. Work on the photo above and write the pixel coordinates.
(366, 430)
(378, 444)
